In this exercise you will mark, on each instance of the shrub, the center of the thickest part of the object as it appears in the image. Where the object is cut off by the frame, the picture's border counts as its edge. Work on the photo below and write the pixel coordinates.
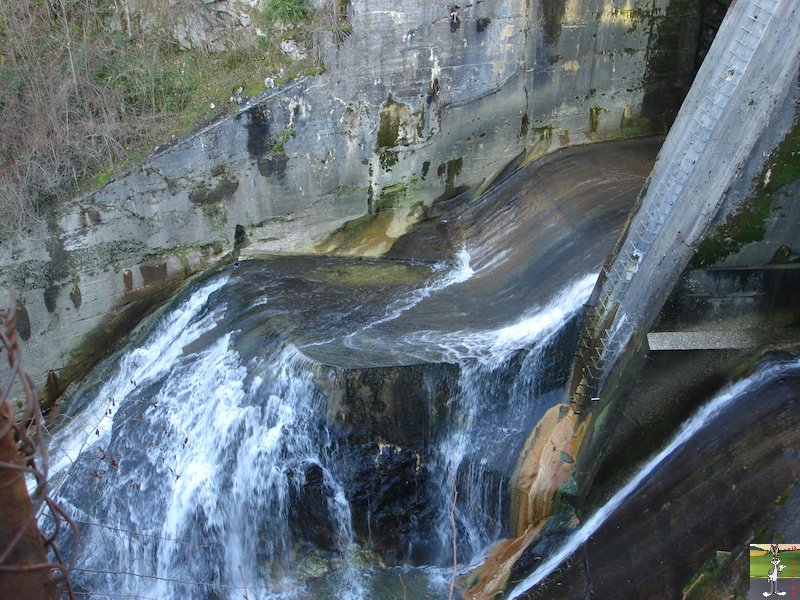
(88, 87)
(284, 11)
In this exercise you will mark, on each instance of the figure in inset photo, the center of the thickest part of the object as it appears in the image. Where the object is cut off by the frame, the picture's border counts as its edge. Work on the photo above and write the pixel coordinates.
(776, 569)
(767, 576)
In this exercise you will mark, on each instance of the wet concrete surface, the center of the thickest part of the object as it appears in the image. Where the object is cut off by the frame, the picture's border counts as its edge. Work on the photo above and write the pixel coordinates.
(549, 223)
(713, 493)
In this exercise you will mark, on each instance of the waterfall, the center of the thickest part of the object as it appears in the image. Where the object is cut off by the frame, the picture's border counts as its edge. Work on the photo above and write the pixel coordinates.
(449, 275)
(207, 458)
(180, 327)
(196, 470)
(690, 427)
(505, 375)
(446, 275)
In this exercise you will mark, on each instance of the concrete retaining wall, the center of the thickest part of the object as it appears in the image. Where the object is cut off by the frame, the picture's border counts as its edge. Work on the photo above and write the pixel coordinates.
(418, 100)
(736, 105)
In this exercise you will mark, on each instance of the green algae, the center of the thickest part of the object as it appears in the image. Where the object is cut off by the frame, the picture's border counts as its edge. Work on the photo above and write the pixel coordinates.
(748, 223)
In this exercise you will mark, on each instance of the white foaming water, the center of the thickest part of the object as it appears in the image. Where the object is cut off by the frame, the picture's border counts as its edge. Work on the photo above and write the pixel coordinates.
(209, 457)
(493, 347)
(248, 448)
(205, 462)
(453, 274)
(483, 389)
(687, 430)
(92, 426)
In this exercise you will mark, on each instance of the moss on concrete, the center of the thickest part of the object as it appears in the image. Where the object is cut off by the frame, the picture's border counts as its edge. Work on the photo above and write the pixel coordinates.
(113, 331)
(389, 128)
(343, 190)
(672, 60)
(450, 170)
(359, 236)
(594, 118)
(391, 197)
(388, 159)
(28, 275)
(40, 274)
(748, 223)
(543, 133)
(204, 194)
(552, 13)
(373, 234)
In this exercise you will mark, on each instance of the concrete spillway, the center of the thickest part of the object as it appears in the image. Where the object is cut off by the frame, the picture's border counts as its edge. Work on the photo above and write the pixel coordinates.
(552, 220)
(279, 413)
(749, 70)
(747, 78)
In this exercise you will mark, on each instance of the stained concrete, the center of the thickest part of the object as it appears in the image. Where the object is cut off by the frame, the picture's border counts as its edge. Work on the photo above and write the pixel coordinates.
(509, 78)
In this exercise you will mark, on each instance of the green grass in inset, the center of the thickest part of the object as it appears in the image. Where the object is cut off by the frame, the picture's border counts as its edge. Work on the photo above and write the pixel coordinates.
(760, 565)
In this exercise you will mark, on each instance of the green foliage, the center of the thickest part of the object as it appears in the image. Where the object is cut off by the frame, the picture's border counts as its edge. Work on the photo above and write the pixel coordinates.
(87, 89)
(784, 163)
(102, 178)
(761, 564)
(284, 137)
(283, 11)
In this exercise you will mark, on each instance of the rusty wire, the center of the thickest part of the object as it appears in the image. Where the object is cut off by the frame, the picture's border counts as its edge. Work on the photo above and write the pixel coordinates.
(31, 459)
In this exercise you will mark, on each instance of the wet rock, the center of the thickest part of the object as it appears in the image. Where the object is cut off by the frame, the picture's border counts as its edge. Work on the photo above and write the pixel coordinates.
(720, 491)
(388, 490)
(310, 515)
(393, 405)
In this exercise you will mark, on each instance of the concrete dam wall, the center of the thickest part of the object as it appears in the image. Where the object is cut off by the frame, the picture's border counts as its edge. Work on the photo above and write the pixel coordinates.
(739, 116)
(417, 102)
(734, 106)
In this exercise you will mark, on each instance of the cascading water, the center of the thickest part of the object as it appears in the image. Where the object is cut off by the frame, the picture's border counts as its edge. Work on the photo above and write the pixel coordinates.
(149, 362)
(509, 378)
(760, 379)
(203, 461)
(206, 474)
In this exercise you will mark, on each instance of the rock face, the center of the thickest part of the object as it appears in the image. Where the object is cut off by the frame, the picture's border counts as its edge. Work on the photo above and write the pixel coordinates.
(363, 403)
(417, 102)
(386, 420)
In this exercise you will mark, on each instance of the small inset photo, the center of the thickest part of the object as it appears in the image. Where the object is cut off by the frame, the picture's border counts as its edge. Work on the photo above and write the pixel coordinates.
(774, 570)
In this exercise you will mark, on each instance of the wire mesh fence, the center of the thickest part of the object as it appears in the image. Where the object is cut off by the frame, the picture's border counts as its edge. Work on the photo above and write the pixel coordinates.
(29, 561)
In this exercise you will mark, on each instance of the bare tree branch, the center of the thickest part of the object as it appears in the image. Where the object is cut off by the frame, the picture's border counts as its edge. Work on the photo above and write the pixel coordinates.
(686, 595)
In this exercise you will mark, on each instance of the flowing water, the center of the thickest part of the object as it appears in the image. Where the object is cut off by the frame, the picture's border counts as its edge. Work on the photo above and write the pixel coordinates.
(186, 467)
(191, 461)
(509, 377)
(766, 374)
(200, 462)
